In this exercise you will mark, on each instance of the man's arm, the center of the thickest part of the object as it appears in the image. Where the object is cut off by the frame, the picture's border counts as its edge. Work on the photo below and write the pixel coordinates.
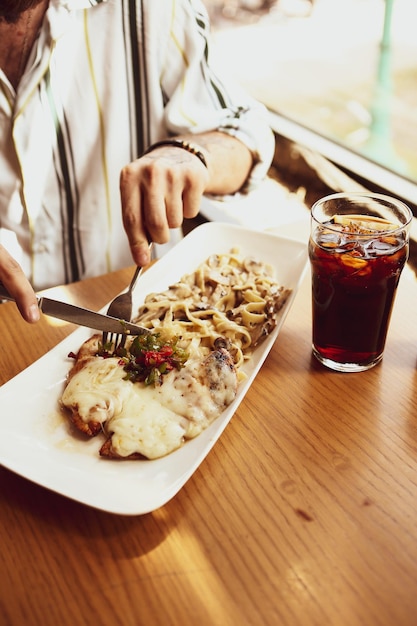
(229, 161)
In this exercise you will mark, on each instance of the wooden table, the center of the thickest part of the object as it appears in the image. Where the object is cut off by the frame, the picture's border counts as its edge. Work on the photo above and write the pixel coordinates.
(304, 513)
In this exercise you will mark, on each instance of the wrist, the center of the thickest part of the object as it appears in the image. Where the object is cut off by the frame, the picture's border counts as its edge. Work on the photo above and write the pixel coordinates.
(182, 144)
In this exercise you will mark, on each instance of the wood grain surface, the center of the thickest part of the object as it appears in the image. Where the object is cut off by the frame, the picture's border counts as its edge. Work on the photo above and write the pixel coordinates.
(304, 513)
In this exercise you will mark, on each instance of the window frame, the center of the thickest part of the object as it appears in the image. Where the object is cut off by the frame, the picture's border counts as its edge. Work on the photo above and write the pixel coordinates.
(360, 167)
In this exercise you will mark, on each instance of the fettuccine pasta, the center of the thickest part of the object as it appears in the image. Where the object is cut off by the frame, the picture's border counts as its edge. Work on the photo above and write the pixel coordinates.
(227, 296)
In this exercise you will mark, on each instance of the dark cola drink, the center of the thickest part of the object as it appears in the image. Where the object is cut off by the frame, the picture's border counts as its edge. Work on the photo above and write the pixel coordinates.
(356, 265)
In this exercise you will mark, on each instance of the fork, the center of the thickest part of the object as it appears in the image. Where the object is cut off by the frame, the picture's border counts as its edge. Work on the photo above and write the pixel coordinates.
(121, 308)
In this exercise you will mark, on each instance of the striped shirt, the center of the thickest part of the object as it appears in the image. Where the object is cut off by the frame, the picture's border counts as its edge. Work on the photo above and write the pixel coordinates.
(106, 78)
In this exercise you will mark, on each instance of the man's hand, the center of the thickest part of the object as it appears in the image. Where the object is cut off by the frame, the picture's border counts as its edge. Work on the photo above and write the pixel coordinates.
(165, 186)
(16, 283)
(157, 192)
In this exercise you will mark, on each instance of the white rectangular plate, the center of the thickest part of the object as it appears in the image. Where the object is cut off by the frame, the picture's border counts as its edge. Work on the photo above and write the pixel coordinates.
(36, 442)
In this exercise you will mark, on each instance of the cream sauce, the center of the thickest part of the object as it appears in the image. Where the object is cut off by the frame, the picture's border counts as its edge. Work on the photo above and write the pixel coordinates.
(152, 421)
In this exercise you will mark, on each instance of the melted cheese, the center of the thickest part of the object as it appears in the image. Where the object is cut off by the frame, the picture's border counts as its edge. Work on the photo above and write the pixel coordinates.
(96, 391)
(152, 421)
(144, 426)
(155, 420)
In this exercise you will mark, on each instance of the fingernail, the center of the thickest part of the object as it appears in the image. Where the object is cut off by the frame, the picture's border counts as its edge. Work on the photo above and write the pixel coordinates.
(33, 312)
(142, 259)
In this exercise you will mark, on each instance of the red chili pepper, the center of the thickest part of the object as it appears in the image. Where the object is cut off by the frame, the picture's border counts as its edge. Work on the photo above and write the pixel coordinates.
(153, 358)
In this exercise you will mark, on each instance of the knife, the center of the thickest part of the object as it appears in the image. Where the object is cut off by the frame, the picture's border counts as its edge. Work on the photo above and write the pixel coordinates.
(82, 317)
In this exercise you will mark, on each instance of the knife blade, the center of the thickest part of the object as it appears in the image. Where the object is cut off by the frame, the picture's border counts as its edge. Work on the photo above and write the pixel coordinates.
(82, 317)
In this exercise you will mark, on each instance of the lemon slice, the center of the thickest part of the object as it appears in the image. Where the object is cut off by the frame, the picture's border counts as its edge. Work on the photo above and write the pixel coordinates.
(362, 223)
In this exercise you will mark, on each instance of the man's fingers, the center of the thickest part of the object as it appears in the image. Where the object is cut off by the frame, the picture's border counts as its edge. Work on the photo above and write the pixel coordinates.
(143, 209)
(191, 200)
(157, 192)
(16, 283)
(132, 215)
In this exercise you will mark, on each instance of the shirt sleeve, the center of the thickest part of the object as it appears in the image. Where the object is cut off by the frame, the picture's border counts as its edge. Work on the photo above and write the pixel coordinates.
(198, 100)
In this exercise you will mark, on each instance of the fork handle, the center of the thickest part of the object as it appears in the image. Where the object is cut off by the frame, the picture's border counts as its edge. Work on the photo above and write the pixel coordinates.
(138, 272)
(135, 277)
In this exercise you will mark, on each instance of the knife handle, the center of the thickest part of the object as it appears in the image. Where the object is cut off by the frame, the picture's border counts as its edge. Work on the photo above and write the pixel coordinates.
(4, 293)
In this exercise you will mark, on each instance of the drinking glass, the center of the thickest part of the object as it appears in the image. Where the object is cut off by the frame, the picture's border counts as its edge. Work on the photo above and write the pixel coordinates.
(358, 247)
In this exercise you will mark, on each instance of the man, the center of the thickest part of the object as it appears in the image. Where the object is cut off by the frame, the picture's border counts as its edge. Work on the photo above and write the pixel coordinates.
(107, 104)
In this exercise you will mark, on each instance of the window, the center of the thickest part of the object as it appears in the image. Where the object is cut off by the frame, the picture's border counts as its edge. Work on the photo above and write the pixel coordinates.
(339, 75)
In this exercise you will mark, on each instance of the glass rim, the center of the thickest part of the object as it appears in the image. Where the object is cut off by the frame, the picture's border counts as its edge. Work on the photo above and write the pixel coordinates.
(389, 200)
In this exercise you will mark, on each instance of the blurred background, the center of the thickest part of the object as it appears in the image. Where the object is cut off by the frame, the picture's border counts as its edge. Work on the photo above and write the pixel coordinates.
(344, 69)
